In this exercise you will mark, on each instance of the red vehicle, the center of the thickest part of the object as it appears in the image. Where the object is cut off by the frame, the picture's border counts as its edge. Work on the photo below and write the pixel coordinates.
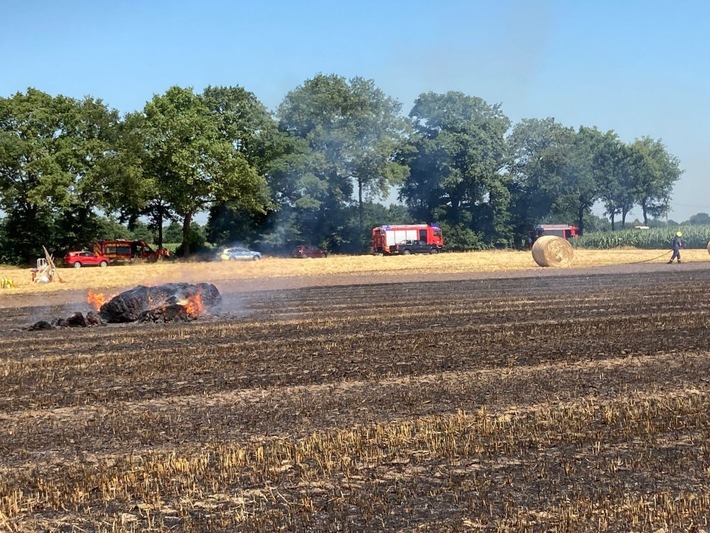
(559, 230)
(127, 250)
(85, 258)
(304, 251)
(386, 238)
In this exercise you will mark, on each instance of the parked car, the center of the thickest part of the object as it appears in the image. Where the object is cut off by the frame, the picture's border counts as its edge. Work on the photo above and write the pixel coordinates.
(239, 253)
(416, 247)
(303, 251)
(84, 258)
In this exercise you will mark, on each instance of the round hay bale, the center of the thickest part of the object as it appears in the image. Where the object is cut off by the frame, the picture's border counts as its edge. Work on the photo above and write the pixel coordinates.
(552, 251)
(709, 247)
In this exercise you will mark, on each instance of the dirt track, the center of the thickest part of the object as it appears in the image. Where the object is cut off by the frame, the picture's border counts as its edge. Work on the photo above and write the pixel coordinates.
(540, 350)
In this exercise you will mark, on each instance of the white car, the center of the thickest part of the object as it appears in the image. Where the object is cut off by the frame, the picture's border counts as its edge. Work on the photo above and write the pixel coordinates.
(239, 253)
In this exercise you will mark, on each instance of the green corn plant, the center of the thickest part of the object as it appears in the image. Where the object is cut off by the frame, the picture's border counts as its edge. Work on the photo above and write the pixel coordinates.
(694, 237)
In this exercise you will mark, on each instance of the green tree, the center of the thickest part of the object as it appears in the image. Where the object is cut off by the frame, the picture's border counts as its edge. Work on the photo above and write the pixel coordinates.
(173, 233)
(699, 219)
(196, 239)
(298, 193)
(654, 173)
(624, 199)
(51, 179)
(191, 162)
(244, 122)
(129, 190)
(456, 159)
(580, 188)
(537, 161)
(611, 172)
(354, 130)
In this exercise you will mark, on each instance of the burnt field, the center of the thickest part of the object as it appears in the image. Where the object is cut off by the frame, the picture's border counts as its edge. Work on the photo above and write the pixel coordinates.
(574, 401)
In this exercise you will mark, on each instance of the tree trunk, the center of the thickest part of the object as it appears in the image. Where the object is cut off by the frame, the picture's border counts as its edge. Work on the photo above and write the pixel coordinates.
(580, 218)
(186, 222)
(131, 223)
(612, 222)
(160, 230)
(361, 209)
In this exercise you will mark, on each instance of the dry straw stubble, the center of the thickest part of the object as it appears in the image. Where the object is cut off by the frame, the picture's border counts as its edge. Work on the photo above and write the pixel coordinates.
(552, 251)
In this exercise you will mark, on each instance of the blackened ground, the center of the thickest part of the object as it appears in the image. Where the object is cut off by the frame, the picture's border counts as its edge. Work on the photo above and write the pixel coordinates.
(292, 357)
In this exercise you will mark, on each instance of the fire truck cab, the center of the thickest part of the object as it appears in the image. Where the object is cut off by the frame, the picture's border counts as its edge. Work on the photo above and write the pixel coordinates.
(385, 239)
(559, 230)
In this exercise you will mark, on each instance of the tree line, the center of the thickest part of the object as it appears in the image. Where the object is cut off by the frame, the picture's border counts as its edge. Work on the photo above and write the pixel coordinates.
(315, 170)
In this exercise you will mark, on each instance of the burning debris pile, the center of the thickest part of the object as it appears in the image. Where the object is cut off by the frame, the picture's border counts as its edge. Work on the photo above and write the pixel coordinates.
(163, 303)
(170, 302)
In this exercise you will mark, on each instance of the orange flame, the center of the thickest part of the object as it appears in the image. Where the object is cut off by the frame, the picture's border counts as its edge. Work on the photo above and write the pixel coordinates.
(96, 299)
(194, 306)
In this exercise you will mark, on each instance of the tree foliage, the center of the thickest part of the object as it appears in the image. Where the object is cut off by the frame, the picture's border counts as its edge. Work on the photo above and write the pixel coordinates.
(699, 219)
(51, 154)
(192, 161)
(245, 123)
(456, 158)
(353, 131)
(72, 171)
(653, 174)
(538, 151)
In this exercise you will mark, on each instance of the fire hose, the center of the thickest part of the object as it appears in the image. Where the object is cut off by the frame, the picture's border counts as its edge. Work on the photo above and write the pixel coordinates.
(647, 260)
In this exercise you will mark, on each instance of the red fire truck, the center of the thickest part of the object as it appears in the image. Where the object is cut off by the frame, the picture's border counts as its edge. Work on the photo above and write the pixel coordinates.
(386, 238)
(121, 250)
(559, 230)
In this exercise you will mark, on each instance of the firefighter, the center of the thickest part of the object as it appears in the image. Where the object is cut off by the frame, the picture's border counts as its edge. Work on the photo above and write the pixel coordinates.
(677, 244)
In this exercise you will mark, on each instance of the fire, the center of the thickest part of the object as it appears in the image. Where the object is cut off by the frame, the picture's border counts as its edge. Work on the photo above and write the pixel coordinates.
(96, 299)
(194, 306)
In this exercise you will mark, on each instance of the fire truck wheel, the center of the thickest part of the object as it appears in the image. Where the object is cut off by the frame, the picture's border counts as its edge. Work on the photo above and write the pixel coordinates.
(434, 251)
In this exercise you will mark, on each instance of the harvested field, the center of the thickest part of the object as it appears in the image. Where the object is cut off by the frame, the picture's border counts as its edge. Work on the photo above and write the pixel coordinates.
(262, 273)
(534, 400)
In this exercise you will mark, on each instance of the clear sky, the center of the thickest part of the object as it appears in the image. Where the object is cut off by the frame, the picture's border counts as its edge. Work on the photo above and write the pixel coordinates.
(638, 67)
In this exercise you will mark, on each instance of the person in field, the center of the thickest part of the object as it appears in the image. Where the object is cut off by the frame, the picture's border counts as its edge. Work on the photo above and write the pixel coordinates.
(677, 244)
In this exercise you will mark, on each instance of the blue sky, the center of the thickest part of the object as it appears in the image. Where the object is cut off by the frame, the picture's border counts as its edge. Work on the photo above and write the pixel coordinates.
(635, 67)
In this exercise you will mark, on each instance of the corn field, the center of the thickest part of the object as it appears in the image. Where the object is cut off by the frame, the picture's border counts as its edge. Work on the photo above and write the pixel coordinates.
(694, 237)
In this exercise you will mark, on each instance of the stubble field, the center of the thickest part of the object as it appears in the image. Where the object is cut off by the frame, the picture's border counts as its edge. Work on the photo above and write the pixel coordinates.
(407, 395)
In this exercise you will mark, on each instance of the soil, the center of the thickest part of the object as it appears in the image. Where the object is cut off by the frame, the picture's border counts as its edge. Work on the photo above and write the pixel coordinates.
(293, 357)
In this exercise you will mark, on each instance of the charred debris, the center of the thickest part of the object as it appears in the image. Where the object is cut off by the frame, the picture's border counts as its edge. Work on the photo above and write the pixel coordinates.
(169, 302)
